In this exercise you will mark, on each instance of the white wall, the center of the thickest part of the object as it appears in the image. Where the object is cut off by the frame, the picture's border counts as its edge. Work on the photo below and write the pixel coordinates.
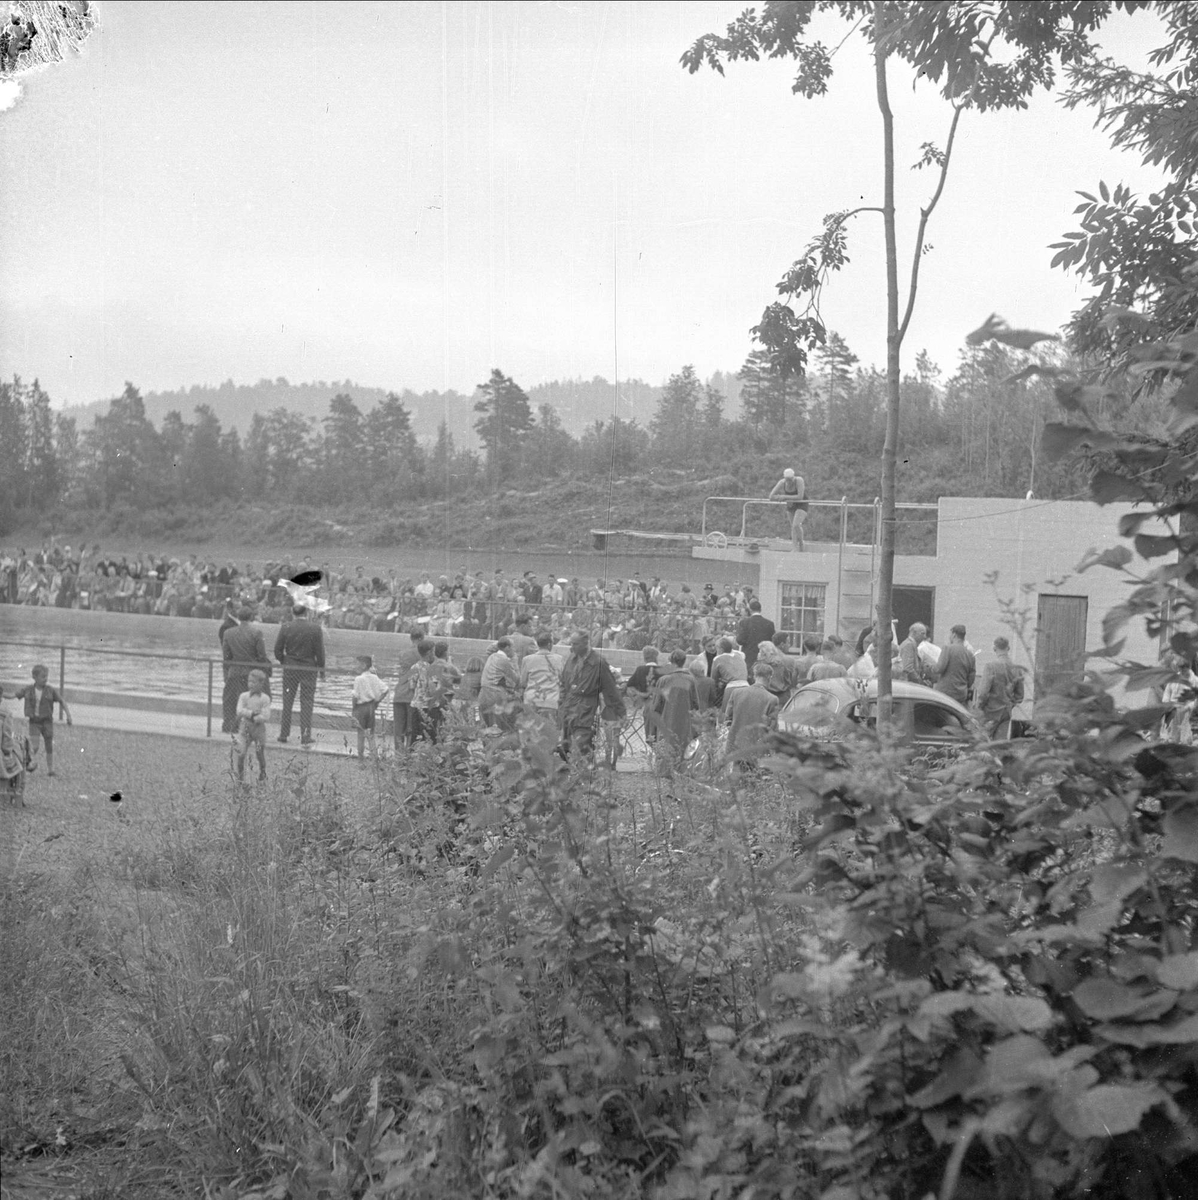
(1032, 547)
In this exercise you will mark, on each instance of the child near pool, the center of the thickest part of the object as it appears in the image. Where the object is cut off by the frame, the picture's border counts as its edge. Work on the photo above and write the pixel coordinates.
(253, 707)
(40, 699)
(368, 691)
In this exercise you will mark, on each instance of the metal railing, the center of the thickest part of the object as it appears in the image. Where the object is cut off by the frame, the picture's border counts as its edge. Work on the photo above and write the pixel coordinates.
(212, 701)
(844, 507)
(488, 619)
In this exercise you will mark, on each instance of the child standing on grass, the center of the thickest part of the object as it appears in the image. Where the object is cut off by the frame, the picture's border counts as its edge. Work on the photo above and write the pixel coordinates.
(40, 699)
(253, 707)
(369, 691)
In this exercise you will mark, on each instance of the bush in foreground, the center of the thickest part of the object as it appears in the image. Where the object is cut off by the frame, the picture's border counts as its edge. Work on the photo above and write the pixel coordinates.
(850, 977)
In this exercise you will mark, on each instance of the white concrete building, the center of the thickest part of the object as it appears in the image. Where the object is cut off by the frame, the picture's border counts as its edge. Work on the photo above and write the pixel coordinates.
(992, 564)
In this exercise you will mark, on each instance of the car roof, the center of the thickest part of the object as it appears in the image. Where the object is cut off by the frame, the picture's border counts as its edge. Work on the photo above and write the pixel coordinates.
(902, 690)
(846, 691)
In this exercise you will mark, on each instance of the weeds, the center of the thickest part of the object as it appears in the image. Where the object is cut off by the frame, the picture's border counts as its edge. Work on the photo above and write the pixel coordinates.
(480, 972)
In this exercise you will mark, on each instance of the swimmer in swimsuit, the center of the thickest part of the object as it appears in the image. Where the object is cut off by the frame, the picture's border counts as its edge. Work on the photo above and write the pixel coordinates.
(793, 490)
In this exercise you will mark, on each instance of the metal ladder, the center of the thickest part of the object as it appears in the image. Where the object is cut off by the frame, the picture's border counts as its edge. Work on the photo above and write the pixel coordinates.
(857, 581)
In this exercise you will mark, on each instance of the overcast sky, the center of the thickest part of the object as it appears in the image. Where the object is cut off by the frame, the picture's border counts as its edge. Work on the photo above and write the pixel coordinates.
(411, 194)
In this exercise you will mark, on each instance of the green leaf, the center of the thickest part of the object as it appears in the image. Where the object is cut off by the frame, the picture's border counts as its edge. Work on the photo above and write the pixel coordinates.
(496, 861)
(1180, 1033)
(1057, 440)
(1150, 546)
(1184, 403)
(960, 1073)
(1014, 1013)
(1129, 523)
(1108, 1109)
(1108, 488)
(1016, 1063)
(1106, 999)
(1116, 882)
(1114, 556)
(994, 328)
(1179, 971)
(945, 1004)
(1139, 678)
(1181, 834)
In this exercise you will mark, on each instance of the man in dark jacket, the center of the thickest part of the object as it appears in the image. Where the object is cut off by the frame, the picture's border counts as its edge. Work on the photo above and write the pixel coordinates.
(956, 670)
(300, 648)
(752, 631)
(585, 678)
(244, 650)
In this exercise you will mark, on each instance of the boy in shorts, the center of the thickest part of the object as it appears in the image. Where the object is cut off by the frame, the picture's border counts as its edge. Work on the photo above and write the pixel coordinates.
(253, 707)
(40, 699)
(368, 692)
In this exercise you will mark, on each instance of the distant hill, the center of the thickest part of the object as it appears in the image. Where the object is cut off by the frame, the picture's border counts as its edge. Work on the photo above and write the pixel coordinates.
(582, 402)
(235, 404)
(579, 403)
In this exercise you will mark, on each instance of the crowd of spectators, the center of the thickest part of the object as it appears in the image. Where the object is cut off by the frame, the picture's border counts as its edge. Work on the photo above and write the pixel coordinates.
(621, 613)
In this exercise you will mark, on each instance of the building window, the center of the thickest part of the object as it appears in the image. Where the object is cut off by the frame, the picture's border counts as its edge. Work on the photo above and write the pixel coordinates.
(802, 608)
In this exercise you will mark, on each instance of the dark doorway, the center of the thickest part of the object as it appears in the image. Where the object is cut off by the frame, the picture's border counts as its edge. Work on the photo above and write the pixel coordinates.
(1060, 641)
(911, 604)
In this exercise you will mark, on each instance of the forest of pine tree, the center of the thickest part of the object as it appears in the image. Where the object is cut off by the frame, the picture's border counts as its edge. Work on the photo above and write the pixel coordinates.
(973, 433)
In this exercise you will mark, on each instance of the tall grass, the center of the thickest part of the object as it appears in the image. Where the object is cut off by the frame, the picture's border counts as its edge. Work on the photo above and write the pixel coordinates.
(313, 998)
(480, 973)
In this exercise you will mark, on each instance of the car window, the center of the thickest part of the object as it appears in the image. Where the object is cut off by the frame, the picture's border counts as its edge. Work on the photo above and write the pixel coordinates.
(933, 720)
(812, 710)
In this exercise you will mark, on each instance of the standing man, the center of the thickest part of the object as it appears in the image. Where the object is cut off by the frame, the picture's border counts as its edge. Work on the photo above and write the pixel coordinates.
(585, 677)
(750, 713)
(957, 668)
(228, 621)
(752, 631)
(244, 650)
(793, 490)
(675, 696)
(498, 687)
(727, 667)
(523, 643)
(404, 723)
(300, 648)
(541, 678)
(534, 594)
(999, 690)
(914, 670)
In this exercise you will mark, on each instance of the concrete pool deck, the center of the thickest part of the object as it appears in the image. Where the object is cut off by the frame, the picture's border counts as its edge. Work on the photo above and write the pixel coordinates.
(335, 742)
(193, 727)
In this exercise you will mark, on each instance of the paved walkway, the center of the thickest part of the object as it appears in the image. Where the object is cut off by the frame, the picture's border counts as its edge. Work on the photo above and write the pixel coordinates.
(194, 728)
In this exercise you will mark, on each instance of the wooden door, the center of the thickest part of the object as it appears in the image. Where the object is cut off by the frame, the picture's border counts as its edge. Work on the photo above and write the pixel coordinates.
(1060, 641)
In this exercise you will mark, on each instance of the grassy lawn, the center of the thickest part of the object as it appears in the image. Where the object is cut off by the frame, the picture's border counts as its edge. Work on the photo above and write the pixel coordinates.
(219, 991)
(95, 893)
(170, 788)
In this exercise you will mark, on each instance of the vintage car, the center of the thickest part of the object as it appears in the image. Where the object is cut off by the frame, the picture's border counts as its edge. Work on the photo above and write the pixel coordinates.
(830, 708)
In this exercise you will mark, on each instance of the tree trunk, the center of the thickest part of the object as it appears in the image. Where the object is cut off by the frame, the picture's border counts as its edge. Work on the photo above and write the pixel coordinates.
(893, 337)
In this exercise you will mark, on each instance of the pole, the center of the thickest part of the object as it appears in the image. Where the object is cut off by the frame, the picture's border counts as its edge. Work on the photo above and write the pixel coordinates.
(844, 528)
(209, 733)
(62, 668)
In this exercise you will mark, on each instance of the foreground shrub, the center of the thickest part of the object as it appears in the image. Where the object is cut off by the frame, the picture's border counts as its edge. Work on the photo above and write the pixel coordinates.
(851, 976)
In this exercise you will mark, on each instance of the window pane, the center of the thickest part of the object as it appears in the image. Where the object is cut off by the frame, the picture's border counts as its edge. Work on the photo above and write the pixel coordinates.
(802, 607)
(932, 719)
